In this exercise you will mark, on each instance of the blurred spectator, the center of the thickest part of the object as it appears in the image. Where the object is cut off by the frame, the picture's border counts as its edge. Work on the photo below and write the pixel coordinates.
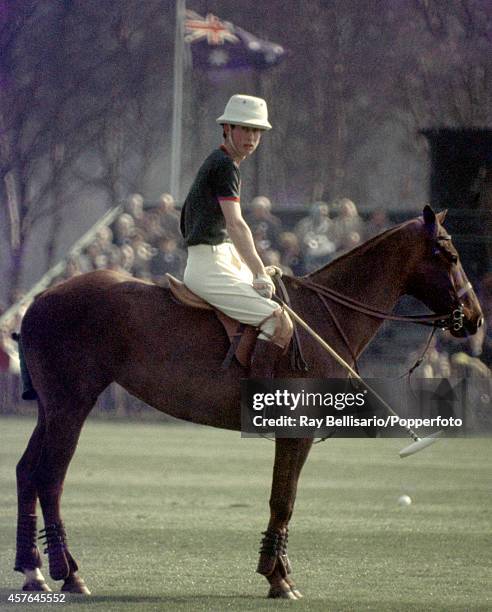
(135, 207)
(6, 347)
(477, 401)
(95, 258)
(348, 226)
(378, 223)
(260, 237)
(168, 259)
(485, 297)
(264, 226)
(150, 225)
(73, 267)
(115, 259)
(464, 366)
(143, 254)
(127, 257)
(291, 254)
(123, 229)
(169, 217)
(316, 236)
(104, 238)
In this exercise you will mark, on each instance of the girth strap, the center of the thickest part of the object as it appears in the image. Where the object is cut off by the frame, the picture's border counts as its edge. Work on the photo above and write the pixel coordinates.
(236, 339)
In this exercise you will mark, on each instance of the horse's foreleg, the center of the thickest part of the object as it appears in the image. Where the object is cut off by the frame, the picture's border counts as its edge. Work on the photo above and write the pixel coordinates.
(274, 564)
(60, 441)
(27, 558)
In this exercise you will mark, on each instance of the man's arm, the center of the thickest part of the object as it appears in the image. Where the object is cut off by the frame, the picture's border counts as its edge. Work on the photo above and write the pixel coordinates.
(241, 237)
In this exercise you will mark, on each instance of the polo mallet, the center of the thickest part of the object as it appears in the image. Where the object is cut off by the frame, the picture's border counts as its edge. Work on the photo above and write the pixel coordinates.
(418, 443)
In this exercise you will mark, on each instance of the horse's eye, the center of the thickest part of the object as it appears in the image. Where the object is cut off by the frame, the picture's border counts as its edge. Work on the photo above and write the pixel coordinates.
(451, 257)
(445, 254)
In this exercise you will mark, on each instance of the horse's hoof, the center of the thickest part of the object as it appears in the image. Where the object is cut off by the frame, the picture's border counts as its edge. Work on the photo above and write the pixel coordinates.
(278, 593)
(297, 593)
(36, 585)
(75, 584)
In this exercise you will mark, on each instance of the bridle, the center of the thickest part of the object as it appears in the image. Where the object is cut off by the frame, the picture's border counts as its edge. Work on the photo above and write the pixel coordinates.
(457, 315)
(452, 321)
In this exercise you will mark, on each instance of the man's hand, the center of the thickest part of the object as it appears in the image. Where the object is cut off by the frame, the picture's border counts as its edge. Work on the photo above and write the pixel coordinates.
(273, 271)
(263, 284)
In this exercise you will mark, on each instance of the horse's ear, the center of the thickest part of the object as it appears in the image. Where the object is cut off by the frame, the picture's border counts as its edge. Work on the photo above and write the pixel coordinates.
(442, 215)
(430, 220)
(429, 215)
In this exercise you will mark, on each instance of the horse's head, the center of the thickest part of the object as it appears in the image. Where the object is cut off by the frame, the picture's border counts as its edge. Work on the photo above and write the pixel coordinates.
(440, 282)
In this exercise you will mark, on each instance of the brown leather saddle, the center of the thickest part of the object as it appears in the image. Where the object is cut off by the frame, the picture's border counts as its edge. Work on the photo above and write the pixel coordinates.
(241, 336)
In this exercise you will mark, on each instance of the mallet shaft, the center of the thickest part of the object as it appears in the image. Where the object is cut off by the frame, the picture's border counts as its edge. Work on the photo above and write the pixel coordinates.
(345, 365)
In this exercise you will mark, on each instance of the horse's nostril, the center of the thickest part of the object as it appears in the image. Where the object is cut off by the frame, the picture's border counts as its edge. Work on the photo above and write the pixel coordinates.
(479, 322)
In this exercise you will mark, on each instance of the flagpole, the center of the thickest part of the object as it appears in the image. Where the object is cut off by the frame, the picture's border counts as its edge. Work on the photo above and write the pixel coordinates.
(177, 99)
(258, 156)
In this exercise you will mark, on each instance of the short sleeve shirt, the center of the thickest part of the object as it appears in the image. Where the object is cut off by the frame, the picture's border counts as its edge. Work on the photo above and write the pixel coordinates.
(202, 220)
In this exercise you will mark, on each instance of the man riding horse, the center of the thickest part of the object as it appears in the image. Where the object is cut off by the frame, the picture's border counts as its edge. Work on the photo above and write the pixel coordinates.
(223, 266)
(109, 327)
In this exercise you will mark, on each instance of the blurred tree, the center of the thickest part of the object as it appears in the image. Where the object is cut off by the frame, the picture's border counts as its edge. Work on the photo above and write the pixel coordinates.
(86, 98)
(42, 123)
(446, 62)
(79, 109)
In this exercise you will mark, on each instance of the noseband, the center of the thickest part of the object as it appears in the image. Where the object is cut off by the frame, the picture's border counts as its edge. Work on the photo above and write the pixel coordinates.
(455, 320)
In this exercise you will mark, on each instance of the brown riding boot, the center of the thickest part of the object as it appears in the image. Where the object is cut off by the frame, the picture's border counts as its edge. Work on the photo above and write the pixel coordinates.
(265, 357)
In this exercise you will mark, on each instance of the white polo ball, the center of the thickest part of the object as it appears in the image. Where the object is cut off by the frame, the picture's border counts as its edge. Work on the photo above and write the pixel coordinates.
(404, 500)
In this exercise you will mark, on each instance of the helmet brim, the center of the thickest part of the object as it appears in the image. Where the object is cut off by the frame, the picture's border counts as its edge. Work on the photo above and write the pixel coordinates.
(265, 126)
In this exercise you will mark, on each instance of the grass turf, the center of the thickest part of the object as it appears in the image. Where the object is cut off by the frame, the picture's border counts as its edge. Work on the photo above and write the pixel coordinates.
(163, 517)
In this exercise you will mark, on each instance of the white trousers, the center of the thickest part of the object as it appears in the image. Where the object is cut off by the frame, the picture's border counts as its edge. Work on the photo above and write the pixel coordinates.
(217, 274)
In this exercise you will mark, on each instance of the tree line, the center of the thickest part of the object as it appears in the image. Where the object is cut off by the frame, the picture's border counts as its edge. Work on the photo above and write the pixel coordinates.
(86, 97)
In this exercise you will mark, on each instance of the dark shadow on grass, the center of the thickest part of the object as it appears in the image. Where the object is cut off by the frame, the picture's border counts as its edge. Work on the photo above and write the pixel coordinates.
(162, 599)
(209, 601)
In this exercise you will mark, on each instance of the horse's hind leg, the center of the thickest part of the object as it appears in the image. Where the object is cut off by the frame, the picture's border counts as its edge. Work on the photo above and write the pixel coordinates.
(63, 426)
(27, 559)
(274, 564)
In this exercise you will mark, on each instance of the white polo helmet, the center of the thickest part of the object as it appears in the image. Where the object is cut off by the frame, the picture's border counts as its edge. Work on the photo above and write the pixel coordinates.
(246, 110)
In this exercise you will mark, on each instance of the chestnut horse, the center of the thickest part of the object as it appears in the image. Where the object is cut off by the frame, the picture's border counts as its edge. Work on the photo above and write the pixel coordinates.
(103, 326)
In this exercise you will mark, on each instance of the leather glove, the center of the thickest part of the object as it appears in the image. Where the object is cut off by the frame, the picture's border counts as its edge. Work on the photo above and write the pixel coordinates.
(263, 284)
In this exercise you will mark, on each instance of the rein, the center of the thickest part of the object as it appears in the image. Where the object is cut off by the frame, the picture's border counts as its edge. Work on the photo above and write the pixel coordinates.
(453, 320)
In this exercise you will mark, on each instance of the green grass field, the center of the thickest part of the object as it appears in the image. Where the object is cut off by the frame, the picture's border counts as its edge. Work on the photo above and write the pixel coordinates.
(162, 517)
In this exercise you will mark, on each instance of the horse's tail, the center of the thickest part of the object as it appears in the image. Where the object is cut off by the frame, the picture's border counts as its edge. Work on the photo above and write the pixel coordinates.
(28, 391)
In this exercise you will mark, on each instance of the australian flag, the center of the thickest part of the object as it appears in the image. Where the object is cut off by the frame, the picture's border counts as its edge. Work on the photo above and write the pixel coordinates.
(219, 45)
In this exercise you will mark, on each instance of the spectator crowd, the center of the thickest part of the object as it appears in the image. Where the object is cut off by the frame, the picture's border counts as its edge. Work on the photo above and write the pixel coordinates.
(145, 240)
